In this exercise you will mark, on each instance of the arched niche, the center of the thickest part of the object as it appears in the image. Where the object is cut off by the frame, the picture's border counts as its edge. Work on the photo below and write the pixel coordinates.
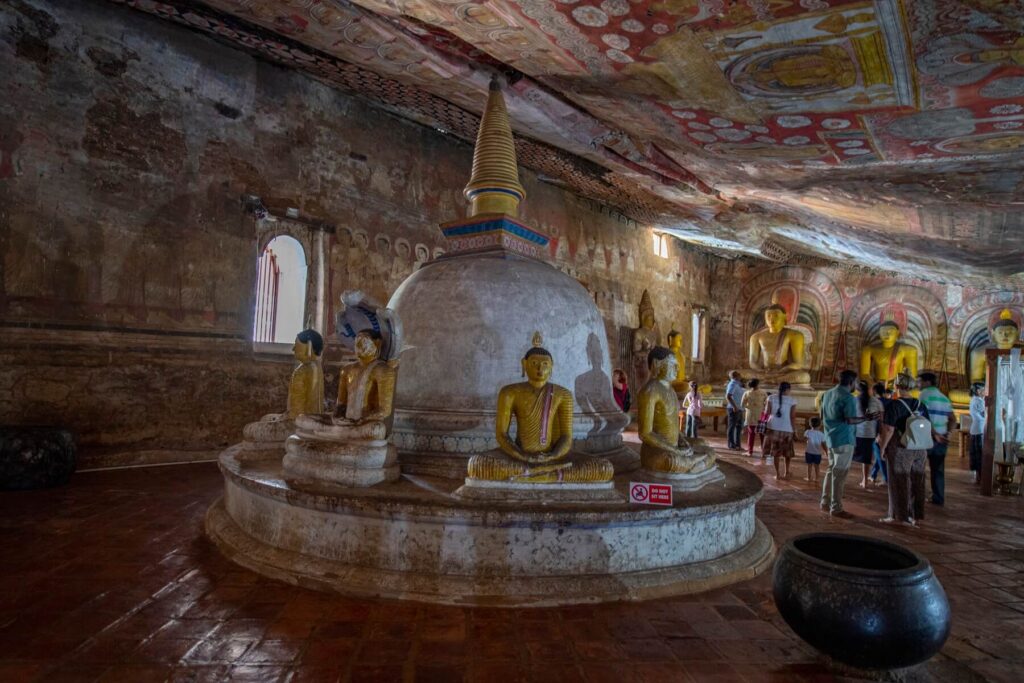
(814, 306)
(926, 327)
(968, 328)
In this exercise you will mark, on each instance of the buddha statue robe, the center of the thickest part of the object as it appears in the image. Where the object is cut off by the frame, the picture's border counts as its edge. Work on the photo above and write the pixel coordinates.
(776, 353)
(663, 449)
(539, 451)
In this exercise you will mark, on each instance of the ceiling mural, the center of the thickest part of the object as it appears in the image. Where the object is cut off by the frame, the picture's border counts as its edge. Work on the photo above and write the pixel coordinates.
(887, 134)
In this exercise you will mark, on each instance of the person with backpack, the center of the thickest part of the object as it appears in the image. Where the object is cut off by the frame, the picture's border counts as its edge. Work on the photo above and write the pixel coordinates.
(940, 409)
(906, 436)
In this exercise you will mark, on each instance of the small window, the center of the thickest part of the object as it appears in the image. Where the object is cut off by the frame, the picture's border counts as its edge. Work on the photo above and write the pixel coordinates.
(661, 244)
(697, 336)
(280, 291)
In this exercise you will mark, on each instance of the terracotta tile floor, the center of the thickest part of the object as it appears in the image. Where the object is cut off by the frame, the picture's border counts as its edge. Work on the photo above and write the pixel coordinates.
(110, 579)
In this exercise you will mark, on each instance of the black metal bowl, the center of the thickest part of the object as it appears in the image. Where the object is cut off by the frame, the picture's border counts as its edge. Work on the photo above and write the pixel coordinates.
(863, 602)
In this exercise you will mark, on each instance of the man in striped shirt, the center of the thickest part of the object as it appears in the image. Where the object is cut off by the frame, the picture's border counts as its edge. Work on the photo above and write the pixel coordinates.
(939, 411)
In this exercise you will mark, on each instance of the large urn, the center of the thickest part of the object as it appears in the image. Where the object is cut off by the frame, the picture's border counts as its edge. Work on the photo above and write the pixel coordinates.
(863, 602)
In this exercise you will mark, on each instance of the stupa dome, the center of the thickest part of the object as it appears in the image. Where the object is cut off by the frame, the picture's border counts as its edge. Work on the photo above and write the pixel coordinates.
(468, 320)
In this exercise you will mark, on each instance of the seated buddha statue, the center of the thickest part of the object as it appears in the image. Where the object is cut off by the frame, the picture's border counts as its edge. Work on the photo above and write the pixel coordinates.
(366, 390)
(1004, 335)
(663, 449)
(349, 446)
(305, 393)
(776, 353)
(886, 358)
(539, 451)
(675, 345)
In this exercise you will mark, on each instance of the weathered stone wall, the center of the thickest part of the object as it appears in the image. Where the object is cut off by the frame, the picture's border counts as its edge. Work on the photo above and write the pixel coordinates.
(128, 270)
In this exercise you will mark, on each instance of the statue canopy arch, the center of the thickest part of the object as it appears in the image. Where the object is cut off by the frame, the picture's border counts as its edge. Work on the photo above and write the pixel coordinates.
(916, 311)
(813, 305)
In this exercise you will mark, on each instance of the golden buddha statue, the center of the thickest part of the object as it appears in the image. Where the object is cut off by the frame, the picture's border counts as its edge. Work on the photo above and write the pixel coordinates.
(663, 449)
(366, 390)
(305, 392)
(675, 344)
(776, 353)
(883, 360)
(1004, 335)
(645, 338)
(543, 414)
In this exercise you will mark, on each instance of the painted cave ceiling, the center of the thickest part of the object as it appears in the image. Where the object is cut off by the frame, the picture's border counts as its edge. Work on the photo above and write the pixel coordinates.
(886, 134)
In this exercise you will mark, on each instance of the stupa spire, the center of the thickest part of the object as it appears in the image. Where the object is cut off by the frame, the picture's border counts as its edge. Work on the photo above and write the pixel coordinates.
(494, 186)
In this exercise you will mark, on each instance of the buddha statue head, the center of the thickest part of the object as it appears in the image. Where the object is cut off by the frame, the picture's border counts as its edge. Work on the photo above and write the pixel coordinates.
(1005, 332)
(537, 366)
(775, 318)
(367, 346)
(675, 340)
(662, 363)
(889, 334)
(308, 346)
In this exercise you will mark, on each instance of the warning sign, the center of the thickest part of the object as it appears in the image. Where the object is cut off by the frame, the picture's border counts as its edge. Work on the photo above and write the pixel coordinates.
(650, 494)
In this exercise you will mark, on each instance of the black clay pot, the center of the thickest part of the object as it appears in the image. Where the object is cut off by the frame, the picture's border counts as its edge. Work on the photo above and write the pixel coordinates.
(863, 602)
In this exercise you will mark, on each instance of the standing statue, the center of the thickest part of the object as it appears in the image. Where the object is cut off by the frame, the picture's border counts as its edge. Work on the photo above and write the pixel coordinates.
(305, 393)
(350, 445)
(539, 451)
(675, 344)
(645, 338)
(883, 360)
(663, 449)
(776, 353)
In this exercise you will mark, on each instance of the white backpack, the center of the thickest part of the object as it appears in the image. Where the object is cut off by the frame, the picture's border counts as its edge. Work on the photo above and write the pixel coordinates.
(918, 434)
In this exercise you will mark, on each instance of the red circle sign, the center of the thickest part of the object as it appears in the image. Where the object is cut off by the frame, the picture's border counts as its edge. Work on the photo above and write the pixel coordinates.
(640, 492)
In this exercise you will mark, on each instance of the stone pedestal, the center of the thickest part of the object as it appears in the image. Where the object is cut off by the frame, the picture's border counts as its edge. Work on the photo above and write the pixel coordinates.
(35, 457)
(538, 493)
(415, 540)
(684, 481)
(317, 452)
(357, 463)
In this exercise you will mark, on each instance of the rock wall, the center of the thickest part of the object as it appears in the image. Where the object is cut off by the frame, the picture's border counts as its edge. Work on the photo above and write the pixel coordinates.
(127, 147)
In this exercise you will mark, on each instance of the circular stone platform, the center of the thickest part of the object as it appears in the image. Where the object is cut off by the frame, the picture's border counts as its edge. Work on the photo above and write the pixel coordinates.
(413, 540)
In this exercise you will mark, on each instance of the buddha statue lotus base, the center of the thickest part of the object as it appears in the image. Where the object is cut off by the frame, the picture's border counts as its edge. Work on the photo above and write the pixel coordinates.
(333, 450)
(578, 479)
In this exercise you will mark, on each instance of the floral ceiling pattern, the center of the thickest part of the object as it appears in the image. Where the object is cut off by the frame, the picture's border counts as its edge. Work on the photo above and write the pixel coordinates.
(887, 134)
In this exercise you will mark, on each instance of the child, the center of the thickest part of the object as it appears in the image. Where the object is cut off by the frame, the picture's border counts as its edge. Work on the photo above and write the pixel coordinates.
(693, 403)
(815, 448)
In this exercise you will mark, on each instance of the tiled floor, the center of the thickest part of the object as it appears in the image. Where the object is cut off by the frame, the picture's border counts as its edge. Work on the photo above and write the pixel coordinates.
(111, 579)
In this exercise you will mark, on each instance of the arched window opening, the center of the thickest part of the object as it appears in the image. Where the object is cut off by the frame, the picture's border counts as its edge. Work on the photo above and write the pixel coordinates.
(280, 291)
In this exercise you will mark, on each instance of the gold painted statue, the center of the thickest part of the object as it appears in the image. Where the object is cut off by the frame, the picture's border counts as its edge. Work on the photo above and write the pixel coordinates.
(305, 392)
(645, 338)
(883, 360)
(1004, 335)
(776, 353)
(366, 391)
(539, 452)
(663, 449)
(675, 344)
(306, 388)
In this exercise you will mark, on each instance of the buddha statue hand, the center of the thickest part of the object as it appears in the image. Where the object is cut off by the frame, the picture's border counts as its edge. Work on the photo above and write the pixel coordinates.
(330, 428)
(500, 468)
